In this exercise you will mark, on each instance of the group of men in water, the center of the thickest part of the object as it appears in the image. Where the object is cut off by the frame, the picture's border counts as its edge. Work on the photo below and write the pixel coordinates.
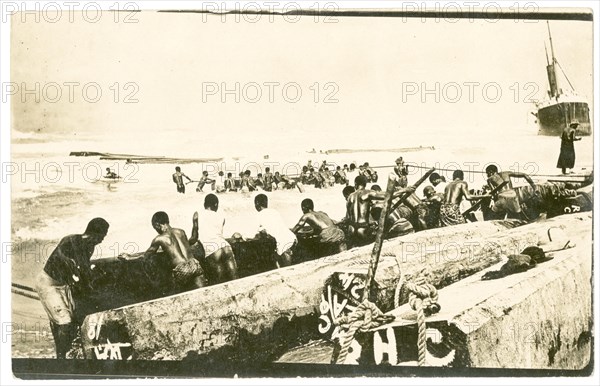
(244, 182)
(320, 177)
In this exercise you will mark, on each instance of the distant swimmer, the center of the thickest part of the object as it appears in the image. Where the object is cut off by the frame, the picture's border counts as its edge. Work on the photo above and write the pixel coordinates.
(246, 183)
(205, 180)
(456, 190)
(506, 201)
(178, 179)
(68, 269)
(268, 180)
(331, 238)
(340, 176)
(230, 183)
(283, 182)
(220, 260)
(271, 223)
(111, 174)
(186, 270)
(220, 183)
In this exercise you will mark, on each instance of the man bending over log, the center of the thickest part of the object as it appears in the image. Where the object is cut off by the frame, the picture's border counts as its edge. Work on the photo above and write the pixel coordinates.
(187, 272)
(359, 209)
(271, 223)
(331, 238)
(506, 201)
(68, 269)
(219, 259)
(456, 190)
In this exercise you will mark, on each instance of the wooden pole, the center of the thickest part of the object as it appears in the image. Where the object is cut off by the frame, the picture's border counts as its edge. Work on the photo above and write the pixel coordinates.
(415, 186)
(387, 207)
(391, 185)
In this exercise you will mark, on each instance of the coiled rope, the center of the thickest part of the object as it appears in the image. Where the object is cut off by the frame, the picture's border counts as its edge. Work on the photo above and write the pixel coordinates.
(422, 298)
(365, 317)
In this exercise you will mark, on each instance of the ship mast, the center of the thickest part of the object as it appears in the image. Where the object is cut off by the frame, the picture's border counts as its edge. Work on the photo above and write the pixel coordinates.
(551, 69)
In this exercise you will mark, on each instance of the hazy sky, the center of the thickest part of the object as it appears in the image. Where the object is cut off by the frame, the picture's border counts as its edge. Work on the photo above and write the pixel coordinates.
(372, 63)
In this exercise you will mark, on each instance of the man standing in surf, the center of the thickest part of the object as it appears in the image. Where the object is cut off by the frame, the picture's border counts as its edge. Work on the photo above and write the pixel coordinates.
(68, 270)
(178, 180)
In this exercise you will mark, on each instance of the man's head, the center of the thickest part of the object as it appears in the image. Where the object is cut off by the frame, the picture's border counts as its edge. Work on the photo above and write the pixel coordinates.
(307, 205)
(366, 164)
(376, 188)
(360, 181)
(259, 175)
(177, 169)
(458, 174)
(428, 191)
(435, 178)
(399, 161)
(159, 221)
(221, 173)
(229, 175)
(267, 169)
(211, 202)
(348, 190)
(277, 174)
(261, 202)
(205, 173)
(352, 166)
(338, 168)
(490, 170)
(574, 123)
(108, 169)
(247, 173)
(97, 229)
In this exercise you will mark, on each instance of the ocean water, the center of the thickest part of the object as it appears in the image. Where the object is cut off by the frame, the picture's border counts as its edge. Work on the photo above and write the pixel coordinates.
(48, 204)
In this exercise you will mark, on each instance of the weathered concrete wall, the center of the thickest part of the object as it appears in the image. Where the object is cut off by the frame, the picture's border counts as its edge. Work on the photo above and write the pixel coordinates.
(259, 317)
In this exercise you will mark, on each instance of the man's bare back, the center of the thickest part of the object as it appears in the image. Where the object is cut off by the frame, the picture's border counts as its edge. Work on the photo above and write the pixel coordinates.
(174, 243)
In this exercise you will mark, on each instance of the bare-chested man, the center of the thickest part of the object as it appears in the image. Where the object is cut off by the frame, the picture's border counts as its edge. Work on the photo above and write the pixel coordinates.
(268, 180)
(402, 172)
(220, 261)
(456, 190)
(434, 201)
(205, 180)
(506, 201)
(359, 209)
(331, 238)
(178, 180)
(187, 272)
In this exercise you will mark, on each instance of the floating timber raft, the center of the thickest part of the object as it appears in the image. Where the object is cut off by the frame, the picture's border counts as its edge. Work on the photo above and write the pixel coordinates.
(396, 150)
(260, 318)
(147, 159)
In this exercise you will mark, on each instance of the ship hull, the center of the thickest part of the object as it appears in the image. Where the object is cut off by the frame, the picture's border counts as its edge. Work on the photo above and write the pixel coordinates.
(554, 118)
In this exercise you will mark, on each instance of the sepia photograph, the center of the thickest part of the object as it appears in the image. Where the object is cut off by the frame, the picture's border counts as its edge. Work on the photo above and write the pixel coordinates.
(350, 190)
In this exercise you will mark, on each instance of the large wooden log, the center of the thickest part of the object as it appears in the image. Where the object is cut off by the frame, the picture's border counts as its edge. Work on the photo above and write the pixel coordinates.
(260, 317)
(538, 319)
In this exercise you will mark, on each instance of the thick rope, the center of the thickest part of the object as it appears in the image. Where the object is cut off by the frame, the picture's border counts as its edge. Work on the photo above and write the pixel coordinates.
(422, 298)
(365, 317)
